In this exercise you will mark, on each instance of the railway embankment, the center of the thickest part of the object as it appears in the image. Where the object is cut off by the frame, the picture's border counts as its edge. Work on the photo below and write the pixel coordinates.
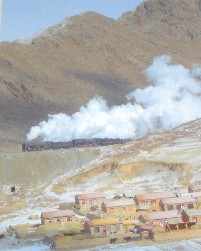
(37, 167)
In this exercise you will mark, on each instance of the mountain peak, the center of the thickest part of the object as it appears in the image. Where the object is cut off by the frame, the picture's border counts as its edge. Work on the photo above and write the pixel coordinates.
(159, 9)
(176, 17)
(69, 24)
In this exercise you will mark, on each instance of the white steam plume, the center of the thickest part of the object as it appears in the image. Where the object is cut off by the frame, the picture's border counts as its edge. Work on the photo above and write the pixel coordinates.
(173, 99)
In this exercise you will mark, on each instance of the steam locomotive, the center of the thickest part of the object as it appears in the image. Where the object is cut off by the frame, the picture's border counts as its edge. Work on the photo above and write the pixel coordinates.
(49, 145)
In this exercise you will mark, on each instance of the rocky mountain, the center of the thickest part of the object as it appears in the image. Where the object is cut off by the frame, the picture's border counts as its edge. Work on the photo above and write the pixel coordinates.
(63, 67)
(179, 19)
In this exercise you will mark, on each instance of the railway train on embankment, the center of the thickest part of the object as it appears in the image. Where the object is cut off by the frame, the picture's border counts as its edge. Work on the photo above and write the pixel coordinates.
(49, 145)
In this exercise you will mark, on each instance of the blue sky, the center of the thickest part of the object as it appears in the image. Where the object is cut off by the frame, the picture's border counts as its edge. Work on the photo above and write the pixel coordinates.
(22, 18)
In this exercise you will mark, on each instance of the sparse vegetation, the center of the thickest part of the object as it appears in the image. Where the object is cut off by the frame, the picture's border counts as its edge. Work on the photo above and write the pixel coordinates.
(29, 231)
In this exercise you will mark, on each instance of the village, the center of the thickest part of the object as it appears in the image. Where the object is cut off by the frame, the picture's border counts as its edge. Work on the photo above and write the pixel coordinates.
(148, 217)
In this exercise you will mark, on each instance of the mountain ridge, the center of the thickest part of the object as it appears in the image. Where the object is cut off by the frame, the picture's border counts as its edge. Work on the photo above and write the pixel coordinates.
(175, 17)
(95, 56)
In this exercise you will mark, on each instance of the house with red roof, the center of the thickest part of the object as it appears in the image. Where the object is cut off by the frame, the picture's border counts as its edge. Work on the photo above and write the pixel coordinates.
(160, 218)
(108, 226)
(123, 206)
(103, 227)
(196, 195)
(90, 199)
(57, 217)
(178, 203)
(194, 188)
(193, 216)
(151, 200)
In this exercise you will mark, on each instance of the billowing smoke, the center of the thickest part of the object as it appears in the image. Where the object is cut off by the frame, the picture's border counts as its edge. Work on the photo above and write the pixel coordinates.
(173, 98)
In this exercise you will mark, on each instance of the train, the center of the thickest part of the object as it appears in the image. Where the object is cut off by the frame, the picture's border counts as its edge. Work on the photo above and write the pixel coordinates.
(76, 143)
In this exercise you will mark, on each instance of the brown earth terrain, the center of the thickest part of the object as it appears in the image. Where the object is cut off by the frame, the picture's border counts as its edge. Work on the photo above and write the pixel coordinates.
(65, 66)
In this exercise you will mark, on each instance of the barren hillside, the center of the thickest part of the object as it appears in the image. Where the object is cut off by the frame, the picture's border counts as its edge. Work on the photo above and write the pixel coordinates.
(65, 66)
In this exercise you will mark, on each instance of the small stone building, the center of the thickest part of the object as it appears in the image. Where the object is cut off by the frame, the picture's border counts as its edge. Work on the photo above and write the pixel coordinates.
(194, 188)
(57, 217)
(90, 199)
(124, 206)
(194, 216)
(103, 227)
(160, 218)
(196, 195)
(151, 200)
(178, 203)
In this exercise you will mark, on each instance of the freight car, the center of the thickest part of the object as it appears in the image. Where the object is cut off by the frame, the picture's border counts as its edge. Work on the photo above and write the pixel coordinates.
(49, 145)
